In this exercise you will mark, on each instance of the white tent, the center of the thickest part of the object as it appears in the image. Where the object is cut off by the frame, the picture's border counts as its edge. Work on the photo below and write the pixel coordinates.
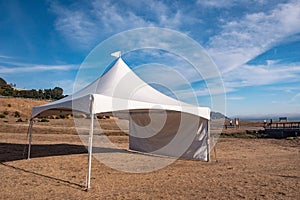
(183, 132)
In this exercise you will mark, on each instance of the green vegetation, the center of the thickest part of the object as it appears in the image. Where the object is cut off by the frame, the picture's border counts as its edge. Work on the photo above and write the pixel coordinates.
(44, 120)
(17, 114)
(9, 90)
(103, 116)
(2, 82)
(2, 116)
(62, 116)
(19, 120)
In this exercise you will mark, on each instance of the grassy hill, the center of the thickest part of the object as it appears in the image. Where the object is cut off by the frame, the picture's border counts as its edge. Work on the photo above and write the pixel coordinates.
(9, 106)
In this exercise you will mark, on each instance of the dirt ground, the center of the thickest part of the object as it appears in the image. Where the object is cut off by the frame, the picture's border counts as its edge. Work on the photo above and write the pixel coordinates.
(245, 168)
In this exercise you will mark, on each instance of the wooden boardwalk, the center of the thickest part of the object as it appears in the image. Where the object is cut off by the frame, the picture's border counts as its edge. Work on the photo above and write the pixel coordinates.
(283, 129)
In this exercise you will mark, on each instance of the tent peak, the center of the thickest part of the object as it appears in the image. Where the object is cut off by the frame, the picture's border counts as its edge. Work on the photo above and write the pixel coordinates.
(116, 54)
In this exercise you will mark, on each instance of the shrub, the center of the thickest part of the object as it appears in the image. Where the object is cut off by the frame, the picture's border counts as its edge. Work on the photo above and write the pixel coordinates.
(17, 114)
(6, 112)
(62, 116)
(2, 116)
(19, 120)
(9, 105)
(44, 120)
(103, 116)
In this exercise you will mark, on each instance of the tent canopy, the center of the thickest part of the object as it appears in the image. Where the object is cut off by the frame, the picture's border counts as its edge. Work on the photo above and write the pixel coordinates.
(116, 90)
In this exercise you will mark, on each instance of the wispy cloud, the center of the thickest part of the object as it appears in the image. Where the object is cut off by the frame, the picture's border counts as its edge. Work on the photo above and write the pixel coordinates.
(229, 3)
(217, 3)
(235, 98)
(28, 68)
(241, 40)
(248, 75)
(74, 24)
(85, 26)
(287, 89)
(5, 57)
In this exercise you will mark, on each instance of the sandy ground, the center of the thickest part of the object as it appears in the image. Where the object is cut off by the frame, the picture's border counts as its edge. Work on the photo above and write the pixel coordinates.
(245, 168)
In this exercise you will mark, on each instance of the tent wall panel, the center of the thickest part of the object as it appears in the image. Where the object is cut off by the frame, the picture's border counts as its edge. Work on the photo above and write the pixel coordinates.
(169, 133)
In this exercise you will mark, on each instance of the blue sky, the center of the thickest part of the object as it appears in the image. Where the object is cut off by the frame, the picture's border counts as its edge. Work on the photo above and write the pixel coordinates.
(255, 44)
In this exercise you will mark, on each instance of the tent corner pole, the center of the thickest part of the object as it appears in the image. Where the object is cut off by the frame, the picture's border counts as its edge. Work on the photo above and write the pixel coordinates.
(208, 140)
(29, 139)
(90, 147)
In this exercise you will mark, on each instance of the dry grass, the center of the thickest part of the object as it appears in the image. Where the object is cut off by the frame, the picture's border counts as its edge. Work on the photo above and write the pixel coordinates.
(19, 104)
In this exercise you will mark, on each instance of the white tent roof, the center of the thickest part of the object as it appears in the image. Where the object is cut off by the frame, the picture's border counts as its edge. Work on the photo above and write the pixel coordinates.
(116, 90)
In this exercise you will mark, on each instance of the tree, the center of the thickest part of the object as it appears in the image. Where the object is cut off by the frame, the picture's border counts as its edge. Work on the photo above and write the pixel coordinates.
(2, 82)
(57, 93)
(7, 90)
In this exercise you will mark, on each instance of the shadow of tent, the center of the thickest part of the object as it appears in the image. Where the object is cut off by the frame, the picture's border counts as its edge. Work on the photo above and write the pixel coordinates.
(12, 152)
(68, 183)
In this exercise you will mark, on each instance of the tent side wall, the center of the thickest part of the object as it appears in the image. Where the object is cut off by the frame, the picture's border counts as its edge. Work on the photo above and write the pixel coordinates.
(169, 133)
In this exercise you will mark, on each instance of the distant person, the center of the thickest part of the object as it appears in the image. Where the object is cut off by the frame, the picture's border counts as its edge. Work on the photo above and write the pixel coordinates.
(265, 123)
(230, 122)
(271, 121)
(237, 123)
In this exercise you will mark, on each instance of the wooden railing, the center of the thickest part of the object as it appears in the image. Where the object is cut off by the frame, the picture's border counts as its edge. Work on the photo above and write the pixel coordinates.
(284, 125)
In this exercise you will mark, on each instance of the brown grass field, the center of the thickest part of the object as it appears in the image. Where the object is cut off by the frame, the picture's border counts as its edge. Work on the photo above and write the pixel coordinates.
(246, 168)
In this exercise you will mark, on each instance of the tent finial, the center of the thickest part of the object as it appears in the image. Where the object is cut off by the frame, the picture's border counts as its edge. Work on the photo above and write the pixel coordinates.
(116, 54)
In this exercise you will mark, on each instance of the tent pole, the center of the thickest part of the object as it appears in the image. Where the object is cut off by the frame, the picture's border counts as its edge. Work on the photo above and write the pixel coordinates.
(29, 138)
(215, 151)
(90, 148)
(208, 138)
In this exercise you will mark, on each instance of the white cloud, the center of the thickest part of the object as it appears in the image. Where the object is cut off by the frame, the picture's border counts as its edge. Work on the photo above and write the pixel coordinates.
(229, 3)
(113, 20)
(5, 57)
(248, 75)
(28, 68)
(235, 98)
(216, 3)
(287, 89)
(85, 26)
(75, 24)
(243, 39)
(118, 18)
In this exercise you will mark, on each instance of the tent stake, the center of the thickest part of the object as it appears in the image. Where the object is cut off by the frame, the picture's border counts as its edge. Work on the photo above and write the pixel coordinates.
(29, 138)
